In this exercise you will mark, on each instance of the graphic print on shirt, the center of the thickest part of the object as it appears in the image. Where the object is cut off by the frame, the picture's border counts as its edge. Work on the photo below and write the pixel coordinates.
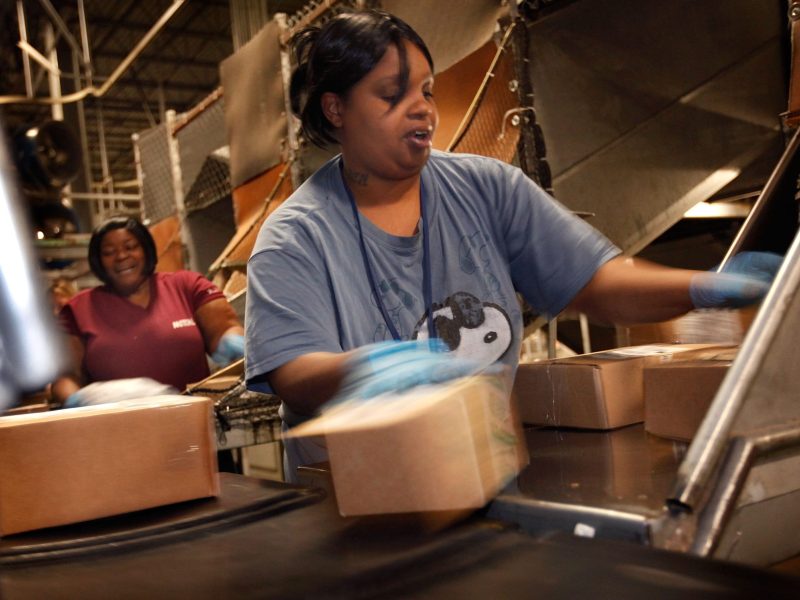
(471, 329)
(396, 300)
(473, 260)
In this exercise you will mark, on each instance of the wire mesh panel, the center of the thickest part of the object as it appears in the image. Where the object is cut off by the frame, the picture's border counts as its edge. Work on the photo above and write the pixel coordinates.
(155, 173)
(204, 168)
(493, 128)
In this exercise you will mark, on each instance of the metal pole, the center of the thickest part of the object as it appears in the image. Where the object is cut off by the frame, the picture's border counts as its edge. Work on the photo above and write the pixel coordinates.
(56, 18)
(552, 337)
(101, 134)
(87, 58)
(177, 185)
(57, 109)
(26, 62)
(291, 120)
(87, 163)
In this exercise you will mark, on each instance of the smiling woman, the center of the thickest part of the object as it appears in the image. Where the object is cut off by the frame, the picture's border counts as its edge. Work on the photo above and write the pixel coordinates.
(140, 323)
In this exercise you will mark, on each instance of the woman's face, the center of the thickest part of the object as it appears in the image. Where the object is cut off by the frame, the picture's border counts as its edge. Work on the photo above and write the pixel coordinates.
(383, 140)
(123, 259)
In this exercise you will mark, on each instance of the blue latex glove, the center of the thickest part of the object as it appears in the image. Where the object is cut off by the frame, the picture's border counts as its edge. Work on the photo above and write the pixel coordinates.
(229, 349)
(745, 279)
(102, 392)
(397, 366)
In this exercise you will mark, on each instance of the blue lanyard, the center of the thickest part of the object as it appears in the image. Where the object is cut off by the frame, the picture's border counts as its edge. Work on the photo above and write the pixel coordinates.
(426, 264)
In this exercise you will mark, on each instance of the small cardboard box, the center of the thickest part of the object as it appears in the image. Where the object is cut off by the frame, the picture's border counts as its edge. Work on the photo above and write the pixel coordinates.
(446, 447)
(677, 395)
(708, 326)
(78, 464)
(600, 390)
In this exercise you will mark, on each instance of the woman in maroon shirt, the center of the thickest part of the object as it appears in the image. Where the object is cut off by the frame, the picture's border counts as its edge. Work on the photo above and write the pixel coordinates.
(140, 323)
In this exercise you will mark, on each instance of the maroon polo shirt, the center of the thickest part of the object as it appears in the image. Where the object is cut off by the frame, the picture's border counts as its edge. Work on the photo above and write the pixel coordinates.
(162, 341)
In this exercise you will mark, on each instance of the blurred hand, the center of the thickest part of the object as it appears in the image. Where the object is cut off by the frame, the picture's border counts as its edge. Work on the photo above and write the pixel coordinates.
(229, 349)
(116, 390)
(745, 279)
(396, 366)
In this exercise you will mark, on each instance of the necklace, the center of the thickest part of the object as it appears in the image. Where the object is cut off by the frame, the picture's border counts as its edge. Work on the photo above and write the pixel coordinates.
(426, 263)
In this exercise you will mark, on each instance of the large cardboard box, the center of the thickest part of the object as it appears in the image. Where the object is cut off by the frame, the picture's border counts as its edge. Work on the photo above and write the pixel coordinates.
(677, 395)
(600, 390)
(447, 447)
(77, 464)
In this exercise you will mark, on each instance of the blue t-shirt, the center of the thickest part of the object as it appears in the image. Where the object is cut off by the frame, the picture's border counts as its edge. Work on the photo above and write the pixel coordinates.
(493, 232)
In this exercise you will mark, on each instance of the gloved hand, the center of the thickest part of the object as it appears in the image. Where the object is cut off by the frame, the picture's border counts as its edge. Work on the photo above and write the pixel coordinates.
(229, 349)
(745, 279)
(116, 390)
(397, 366)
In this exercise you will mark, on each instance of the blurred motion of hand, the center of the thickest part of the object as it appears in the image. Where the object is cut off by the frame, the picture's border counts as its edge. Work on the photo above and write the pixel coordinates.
(745, 279)
(397, 366)
(229, 349)
(102, 392)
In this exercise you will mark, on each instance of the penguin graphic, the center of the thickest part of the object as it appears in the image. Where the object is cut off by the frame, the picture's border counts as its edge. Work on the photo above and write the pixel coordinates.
(471, 329)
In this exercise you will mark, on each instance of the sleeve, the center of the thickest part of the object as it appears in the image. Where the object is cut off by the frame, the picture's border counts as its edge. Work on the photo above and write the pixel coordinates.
(552, 253)
(198, 289)
(289, 309)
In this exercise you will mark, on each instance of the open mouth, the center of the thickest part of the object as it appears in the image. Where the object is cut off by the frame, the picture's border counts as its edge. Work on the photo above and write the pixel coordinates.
(125, 270)
(421, 137)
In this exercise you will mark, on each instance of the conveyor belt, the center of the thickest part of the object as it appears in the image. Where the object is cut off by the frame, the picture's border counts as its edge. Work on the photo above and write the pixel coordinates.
(608, 482)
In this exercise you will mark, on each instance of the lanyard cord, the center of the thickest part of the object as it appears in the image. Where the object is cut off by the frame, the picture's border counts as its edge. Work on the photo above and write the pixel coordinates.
(426, 264)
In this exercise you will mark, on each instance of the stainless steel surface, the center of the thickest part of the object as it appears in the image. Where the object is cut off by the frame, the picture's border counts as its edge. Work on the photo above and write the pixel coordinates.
(638, 138)
(760, 389)
(614, 482)
(728, 494)
(771, 215)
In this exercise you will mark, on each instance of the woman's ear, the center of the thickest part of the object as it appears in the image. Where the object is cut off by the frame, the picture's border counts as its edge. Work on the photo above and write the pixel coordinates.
(331, 108)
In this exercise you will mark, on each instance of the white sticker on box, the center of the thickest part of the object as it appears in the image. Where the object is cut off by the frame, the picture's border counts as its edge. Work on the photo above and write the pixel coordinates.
(584, 530)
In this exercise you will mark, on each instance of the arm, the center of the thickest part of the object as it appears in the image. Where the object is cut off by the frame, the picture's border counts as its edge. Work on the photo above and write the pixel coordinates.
(628, 291)
(71, 381)
(216, 319)
(308, 381)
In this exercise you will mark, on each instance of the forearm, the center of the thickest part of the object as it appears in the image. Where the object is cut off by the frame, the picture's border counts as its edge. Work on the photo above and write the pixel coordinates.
(627, 291)
(307, 382)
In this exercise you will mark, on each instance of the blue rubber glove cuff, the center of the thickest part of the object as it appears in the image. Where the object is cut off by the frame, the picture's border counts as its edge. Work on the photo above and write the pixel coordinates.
(74, 400)
(745, 279)
(229, 349)
(398, 366)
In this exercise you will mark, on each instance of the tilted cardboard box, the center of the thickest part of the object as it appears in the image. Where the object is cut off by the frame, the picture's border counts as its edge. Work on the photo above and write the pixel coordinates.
(600, 390)
(677, 395)
(77, 464)
(435, 448)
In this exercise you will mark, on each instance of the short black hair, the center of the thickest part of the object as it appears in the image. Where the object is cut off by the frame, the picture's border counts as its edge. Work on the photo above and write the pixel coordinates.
(139, 231)
(337, 55)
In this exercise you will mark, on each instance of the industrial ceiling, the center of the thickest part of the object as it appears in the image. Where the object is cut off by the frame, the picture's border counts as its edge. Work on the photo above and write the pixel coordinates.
(180, 43)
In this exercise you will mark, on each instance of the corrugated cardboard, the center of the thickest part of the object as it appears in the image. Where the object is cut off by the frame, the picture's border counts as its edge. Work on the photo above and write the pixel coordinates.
(677, 395)
(77, 464)
(436, 448)
(601, 390)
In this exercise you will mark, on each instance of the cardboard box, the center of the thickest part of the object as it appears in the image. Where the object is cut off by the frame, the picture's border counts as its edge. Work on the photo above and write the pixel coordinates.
(435, 448)
(677, 395)
(77, 464)
(601, 390)
(710, 326)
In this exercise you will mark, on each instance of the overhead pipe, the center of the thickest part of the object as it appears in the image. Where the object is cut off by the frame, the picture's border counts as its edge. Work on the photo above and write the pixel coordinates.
(112, 79)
